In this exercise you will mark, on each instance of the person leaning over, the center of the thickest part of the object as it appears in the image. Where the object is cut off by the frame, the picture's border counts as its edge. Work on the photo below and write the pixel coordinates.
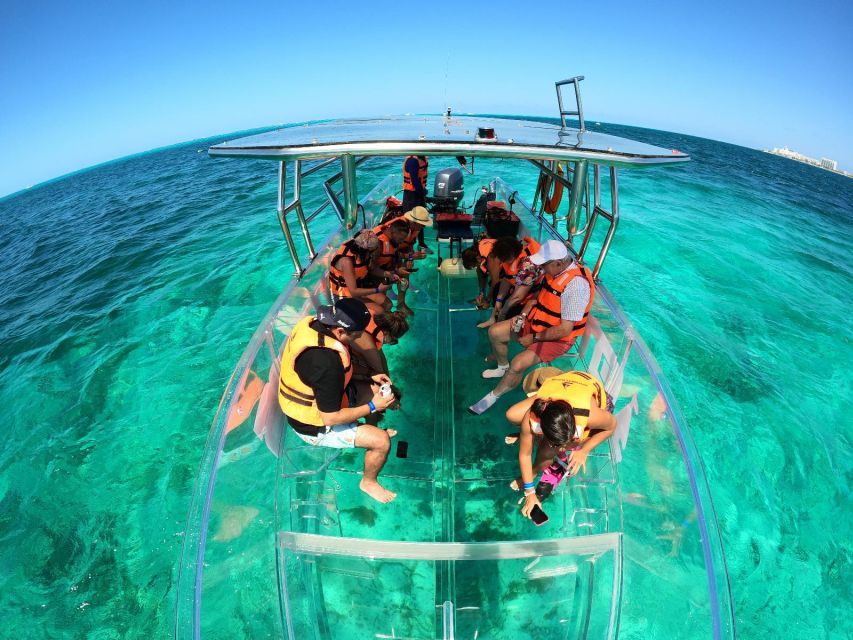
(551, 323)
(390, 262)
(315, 391)
(351, 266)
(571, 412)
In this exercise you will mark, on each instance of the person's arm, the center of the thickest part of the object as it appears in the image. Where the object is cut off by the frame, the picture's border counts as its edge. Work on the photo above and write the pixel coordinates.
(598, 419)
(493, 266)
(500, 298)
(346, 267)
(515, 414)
(351, 414)
(518, 294)
(525, 465)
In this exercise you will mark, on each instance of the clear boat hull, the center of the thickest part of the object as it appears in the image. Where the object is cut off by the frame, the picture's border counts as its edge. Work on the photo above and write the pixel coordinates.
(281, 542)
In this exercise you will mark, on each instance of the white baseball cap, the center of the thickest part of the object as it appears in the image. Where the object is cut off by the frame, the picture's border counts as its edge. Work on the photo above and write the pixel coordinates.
(550, 250)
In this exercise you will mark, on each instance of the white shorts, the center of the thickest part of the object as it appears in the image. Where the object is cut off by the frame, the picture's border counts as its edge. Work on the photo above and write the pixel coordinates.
(339, 436)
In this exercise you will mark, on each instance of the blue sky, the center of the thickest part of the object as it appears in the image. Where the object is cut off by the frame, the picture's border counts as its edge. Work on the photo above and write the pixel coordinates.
(84, 83)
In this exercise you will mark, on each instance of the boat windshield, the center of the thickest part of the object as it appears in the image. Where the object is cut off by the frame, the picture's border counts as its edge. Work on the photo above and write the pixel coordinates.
(282, 543)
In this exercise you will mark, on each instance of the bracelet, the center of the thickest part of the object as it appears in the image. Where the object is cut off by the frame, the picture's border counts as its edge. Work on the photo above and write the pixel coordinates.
(529, 492)
(371, 406)
(377, 289)
(529, 485)
(499, 299)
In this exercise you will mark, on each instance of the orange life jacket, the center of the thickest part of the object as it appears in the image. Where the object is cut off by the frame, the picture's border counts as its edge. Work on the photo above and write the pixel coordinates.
(297, 399)
(423, 167)
(387, 256)
(508, 271)
(546, 311)
(484, 248)
(374, 330)
(410, 239)
(337, 282)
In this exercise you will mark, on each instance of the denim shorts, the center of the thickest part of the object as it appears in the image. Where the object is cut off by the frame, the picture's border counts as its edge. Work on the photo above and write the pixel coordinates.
(339, 436)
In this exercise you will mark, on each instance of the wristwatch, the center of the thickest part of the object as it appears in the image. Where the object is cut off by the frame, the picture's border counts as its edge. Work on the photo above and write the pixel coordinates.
(535, 337)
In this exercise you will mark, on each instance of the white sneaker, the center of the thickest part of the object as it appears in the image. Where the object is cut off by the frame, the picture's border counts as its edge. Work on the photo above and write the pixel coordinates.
(484, 404)
(497, 372)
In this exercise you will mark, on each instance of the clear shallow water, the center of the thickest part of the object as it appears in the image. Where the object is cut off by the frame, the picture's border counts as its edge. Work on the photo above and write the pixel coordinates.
(128, 292)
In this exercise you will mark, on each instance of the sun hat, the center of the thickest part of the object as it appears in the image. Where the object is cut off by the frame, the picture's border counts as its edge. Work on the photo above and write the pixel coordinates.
(534, 379)
(550, 250)
(419, 215)
(347, 313)
(367, 240)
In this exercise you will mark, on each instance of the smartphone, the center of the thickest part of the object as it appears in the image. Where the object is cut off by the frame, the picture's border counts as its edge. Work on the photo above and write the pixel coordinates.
(402, 449)
(538, 516)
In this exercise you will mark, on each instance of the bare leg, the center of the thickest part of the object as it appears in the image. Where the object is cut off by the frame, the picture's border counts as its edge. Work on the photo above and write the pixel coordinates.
(520, 363)
(377, 444)
(499, 337)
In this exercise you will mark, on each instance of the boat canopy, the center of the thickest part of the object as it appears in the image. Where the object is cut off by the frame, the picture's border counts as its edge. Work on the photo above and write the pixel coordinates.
(446, 135)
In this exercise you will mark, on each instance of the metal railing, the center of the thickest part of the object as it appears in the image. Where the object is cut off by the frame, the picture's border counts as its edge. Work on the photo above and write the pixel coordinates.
(344, 211)
(579, 106)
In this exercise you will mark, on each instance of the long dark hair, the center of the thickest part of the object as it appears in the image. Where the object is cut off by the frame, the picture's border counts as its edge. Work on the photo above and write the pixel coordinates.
(557, 422)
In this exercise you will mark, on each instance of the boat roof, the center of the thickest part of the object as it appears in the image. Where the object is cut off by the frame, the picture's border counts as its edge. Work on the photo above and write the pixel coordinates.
(445, 135)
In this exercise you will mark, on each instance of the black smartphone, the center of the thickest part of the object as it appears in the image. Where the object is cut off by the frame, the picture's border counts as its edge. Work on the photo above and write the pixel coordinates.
(538, 516)
(402, 449)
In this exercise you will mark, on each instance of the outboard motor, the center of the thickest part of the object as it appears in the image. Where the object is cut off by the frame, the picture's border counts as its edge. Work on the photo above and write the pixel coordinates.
(447, 190)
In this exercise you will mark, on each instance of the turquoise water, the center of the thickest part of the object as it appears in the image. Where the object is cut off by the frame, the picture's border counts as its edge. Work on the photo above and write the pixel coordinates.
(129, 291)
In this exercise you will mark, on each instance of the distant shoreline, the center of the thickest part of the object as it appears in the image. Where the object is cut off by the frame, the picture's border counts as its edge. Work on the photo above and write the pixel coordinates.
(809, 161)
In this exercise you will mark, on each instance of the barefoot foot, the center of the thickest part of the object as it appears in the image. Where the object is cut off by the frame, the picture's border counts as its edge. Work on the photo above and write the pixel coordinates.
(486, 323)
(376, 491)
(511, 438)
(391, 432)
(514, 485)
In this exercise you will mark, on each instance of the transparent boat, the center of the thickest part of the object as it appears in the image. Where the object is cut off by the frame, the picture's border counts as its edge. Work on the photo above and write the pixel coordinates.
(281, 543)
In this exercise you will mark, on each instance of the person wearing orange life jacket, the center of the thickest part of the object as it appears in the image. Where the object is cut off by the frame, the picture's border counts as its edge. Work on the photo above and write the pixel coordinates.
(490, 257)
(351, 266)
(389, 259)
(318, 395)
(506, 300)
(569, 412)
(384, 328)
(551, 323)
(415, 173)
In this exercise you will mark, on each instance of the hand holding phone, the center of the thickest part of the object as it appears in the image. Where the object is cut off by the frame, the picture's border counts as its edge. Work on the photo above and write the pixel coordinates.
(538, 516)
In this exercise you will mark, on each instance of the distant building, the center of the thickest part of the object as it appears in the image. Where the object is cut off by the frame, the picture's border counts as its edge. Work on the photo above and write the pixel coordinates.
(823, 163)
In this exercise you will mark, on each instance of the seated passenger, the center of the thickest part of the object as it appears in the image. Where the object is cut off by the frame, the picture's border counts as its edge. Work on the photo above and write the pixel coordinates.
(384, 328)
(489, 256)
(389, 261)
(506, 302)
(570, 412)
(316, 394)
(417, 219)
(350, 268)
(548, 327)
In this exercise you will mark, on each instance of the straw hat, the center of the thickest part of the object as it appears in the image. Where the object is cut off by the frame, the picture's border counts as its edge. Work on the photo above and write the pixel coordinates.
(419, 215)
(534, 379)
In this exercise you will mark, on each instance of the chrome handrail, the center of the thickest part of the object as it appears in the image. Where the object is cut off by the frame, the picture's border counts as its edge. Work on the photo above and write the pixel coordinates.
(579, 112)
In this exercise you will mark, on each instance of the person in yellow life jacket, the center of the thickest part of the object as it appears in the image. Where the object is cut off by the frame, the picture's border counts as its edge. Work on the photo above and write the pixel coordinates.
(319, 397)
(351, 266)
(570, 412)
(415, 173)
(550, 323)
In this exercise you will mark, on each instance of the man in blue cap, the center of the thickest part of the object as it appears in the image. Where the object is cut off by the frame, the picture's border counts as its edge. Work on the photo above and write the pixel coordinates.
(321, 401)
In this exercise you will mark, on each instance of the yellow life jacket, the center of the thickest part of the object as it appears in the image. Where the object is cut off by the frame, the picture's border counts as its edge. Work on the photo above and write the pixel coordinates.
(576, 388)
(296, 398)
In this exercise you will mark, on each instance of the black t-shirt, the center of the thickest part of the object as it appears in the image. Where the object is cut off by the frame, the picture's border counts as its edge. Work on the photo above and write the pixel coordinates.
(322, 370)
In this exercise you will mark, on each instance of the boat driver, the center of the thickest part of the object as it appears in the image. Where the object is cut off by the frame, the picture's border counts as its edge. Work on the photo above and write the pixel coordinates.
(547, 327)
(316, 394)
